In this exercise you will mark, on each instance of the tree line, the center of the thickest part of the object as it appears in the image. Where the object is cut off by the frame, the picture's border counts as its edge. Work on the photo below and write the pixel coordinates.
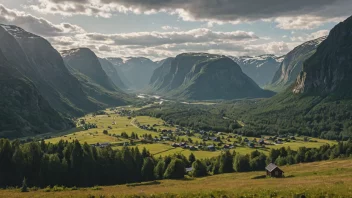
(82, 165)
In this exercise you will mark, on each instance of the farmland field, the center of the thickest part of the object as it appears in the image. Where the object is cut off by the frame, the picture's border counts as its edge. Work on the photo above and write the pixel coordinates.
(116, 124)
(318, 179)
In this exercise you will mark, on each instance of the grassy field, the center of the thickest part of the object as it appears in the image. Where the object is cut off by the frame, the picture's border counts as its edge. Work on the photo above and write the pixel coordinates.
(318, 179)
(116, 125)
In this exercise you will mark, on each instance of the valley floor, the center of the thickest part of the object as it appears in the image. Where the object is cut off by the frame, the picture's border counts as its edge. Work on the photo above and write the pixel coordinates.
(319, 179)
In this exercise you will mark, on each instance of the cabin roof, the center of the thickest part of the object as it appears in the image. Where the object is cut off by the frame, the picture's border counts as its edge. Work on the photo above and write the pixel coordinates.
(272, 167)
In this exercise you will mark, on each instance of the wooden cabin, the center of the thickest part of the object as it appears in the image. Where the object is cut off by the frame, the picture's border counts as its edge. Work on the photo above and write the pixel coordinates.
(274, 171)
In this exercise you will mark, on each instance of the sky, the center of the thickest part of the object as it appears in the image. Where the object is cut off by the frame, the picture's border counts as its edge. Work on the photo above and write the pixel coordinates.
(157, 29)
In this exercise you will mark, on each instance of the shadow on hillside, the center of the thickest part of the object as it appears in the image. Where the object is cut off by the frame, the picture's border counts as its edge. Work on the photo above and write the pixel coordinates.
(144, 184)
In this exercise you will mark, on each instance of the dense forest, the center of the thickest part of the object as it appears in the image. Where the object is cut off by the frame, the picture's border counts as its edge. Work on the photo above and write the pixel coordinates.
(74, 164)
(192, 116)
(327, 117)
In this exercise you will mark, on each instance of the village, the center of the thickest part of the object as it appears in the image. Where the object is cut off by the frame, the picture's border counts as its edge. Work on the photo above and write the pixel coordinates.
(118, 127)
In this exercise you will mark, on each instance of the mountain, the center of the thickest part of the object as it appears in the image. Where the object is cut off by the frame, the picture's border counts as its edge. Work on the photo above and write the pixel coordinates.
(137, 70)
(201, 76)
(37, 60)
(159, 74)
(23, 110)
(292, 64)
(329, 70)
(84, 61)
(85, 66)
(111, 71)
(260, 68)
(319, 103)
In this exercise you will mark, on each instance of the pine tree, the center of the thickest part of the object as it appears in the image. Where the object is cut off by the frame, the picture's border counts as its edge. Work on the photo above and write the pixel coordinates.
(191, 158)
(199, 169)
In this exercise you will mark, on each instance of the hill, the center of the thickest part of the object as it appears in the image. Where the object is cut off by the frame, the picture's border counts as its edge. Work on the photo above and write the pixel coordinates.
(37, 60)
(260, 68)
(200, 76)
(292, 65)
(137, 70)
(85, 66)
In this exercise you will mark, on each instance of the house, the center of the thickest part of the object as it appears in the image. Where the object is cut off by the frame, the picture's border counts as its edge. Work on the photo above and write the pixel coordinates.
(261, 142)
(274, 171)
(189, 169)
(211, 148)
(175, 145)
(192, 148)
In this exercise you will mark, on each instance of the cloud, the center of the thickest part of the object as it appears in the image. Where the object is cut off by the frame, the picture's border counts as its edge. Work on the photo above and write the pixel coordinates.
(201, 35)
(36, 25)
(312, 36)
(169, 28)
(304, 22)
(298, 14)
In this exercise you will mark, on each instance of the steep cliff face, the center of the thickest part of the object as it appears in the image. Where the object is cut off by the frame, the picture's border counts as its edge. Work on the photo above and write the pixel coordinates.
(201, 76)
(329, 70)
(35, 58)
(218, 78)
(260, 68)
(111, 71)
(117, 62)
(158, 78)
(292, 65)
(176, 70)
(87, 63)
(23, 111)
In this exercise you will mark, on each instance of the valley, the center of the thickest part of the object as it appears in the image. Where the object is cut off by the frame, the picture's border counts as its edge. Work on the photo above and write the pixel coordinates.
(172, 99)
(159, 138)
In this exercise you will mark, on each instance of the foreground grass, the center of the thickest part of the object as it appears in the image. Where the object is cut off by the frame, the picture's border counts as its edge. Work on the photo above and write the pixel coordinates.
(319, 179)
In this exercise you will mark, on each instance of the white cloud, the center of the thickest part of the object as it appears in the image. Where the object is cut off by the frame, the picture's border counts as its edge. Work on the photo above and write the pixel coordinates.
(36, 25)
(312, 36)
(201, 35)
(298, 14)
(304, 22)
(166, 27)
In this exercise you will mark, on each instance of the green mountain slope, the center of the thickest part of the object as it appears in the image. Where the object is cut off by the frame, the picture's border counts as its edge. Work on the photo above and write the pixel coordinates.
(201, 76)
(36, 59)
(23, 111)
(85, 66)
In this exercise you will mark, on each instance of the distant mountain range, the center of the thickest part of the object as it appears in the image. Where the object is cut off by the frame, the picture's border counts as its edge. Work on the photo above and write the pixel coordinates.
(137, 70)
(113, 73)
(260, 68)
(201, 76)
